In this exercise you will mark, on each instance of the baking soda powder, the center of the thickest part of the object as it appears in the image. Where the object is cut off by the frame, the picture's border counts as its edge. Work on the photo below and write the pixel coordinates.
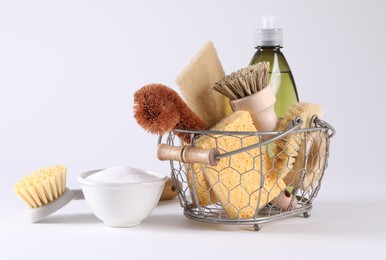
(122, 174)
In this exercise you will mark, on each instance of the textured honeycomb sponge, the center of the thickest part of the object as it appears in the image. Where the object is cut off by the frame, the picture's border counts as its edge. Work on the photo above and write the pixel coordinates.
(243, 182)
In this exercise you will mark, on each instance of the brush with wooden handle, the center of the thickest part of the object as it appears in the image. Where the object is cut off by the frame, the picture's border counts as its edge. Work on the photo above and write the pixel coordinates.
(248, 90)
(159, 109)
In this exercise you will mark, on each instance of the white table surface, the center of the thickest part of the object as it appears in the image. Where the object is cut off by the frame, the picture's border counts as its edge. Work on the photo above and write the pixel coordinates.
(68, 72)
(348, 229)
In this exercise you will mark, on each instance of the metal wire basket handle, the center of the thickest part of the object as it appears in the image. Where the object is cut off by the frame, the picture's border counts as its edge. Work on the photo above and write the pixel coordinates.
(190, 154)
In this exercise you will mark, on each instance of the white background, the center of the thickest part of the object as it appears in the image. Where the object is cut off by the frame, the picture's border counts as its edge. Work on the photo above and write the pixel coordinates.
(68, 71)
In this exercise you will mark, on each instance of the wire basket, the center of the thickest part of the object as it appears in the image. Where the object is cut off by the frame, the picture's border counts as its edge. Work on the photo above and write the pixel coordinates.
(248, 177)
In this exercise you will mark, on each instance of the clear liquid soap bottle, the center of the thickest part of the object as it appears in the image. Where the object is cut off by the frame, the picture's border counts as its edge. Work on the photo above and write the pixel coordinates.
(269, 41)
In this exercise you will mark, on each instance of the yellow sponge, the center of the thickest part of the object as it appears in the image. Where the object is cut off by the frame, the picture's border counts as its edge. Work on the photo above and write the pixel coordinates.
(244, 182)
(199, 186)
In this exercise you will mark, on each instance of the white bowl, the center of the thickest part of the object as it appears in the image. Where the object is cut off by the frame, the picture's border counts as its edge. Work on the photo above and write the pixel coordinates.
(122, 204)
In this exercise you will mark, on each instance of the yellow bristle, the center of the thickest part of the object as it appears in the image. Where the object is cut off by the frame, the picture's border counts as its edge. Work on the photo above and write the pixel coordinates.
(58, 182)
(40, 192)
(26, 194)
(24, 198)
(287, 148)
(51, 179)
(64, 178)
(32, 192)
(48, 190)
(42, 186)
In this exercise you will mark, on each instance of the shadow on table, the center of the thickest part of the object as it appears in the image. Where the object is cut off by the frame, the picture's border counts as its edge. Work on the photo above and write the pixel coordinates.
(80, 218)
(329, 217)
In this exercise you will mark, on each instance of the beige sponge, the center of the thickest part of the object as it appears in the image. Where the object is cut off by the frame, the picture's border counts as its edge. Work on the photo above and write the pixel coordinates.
(243, 182)
(196, 82)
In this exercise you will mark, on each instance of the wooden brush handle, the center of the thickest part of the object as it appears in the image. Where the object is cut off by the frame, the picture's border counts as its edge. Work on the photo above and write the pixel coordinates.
(159, 109)
(170, 190)
(187, 154)
(260, 106)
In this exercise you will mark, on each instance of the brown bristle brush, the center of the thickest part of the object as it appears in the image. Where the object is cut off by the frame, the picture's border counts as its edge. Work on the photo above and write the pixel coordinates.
(159, 109)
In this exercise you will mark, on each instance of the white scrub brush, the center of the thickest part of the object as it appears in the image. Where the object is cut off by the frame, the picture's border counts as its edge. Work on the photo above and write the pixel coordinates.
(44, 192)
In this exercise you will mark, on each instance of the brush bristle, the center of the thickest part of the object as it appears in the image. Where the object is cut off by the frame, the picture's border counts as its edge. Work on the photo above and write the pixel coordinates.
(287, 148)
(155, 110)
(42, 186)
(159, 109)
(244, 82)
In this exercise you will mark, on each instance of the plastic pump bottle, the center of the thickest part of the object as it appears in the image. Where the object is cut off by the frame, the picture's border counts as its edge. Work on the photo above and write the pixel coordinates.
(269, 41)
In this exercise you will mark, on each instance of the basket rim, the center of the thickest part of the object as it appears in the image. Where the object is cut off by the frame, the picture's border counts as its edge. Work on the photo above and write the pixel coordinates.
(294, 127)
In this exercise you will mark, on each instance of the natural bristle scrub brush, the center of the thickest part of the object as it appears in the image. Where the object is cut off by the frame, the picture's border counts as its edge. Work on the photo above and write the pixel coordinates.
(159, 109)
(248, 90)
(44, 192)
(288, 149)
